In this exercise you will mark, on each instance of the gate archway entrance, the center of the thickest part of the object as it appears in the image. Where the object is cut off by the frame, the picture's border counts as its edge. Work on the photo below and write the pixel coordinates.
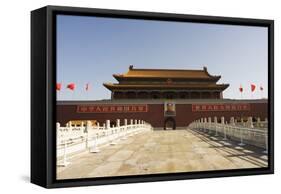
(169, 123)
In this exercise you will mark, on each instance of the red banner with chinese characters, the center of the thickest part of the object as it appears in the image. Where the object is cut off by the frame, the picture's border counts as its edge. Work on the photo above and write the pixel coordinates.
(220, 107)
(112, 108)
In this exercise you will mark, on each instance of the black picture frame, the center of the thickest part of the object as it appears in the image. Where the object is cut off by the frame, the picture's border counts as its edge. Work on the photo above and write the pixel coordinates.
(43, 95)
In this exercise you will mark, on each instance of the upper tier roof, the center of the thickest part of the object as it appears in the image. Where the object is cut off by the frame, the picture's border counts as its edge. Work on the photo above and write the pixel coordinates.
(166, 73)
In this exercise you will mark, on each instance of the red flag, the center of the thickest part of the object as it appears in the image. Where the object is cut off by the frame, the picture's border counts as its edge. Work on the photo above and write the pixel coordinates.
(58, 86)
(261, 88)
(87, 87)
(71, 86)
(253, 87)
(241, 89)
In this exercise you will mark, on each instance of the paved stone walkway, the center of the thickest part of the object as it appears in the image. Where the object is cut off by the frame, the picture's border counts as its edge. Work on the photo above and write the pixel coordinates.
(163, 152)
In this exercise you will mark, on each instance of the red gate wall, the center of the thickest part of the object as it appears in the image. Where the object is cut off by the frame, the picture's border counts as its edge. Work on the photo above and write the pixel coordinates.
(155, 113)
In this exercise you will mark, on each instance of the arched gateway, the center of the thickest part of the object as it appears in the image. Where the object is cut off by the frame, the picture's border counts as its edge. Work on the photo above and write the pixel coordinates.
(170, 123)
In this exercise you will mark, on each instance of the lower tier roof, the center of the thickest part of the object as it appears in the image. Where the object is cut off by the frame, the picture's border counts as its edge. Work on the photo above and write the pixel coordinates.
(114, 87)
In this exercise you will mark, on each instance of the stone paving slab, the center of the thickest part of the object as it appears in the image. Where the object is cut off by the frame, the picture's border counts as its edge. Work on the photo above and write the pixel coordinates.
(163, 152)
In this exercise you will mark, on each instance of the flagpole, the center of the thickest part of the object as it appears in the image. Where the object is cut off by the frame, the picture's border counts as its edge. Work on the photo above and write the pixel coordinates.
(261, 89)
(87, 91)
(72, 95)
(71, 87)
(58, 89)
(253, 87)
(88, 87)
(241, 91)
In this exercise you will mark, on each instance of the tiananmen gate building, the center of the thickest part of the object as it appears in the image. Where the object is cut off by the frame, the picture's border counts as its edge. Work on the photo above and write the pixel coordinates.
(163, 97)
(166, 84)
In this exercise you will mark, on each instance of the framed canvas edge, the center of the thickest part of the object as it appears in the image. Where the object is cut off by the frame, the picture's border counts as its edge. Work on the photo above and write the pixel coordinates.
(51, 181)
(38, 106)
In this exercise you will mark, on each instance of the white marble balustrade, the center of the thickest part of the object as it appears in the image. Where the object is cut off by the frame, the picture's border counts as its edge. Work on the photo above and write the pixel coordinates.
(245, 133)
(74, 139)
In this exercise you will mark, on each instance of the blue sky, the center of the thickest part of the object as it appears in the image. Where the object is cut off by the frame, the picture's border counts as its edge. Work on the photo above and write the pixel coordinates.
(91, 49)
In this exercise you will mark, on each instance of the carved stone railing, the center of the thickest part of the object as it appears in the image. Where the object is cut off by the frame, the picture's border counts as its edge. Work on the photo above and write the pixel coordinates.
(73, 139)
(244, 133)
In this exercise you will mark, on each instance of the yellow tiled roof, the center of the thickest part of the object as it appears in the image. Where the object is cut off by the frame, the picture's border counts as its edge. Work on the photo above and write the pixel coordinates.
(166, 73)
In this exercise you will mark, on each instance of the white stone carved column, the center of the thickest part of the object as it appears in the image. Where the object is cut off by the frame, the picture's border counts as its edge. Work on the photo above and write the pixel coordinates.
(107, 124)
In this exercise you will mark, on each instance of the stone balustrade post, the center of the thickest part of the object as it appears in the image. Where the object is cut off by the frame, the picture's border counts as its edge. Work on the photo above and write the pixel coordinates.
(136, 121)
(125, 129)
(258, 122)
(57, 125)
(205, 123)
(215, 120)
(131, 122)
(231, 122)
(117, 122)
(222, 120)
(86, 131)
(125, 122)
(88, 126)
(107, 124)
(242, 122)
(224, 130)
(70, 125)
(209, 125)
(98, 125)
(250, 122)
(216, 128)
